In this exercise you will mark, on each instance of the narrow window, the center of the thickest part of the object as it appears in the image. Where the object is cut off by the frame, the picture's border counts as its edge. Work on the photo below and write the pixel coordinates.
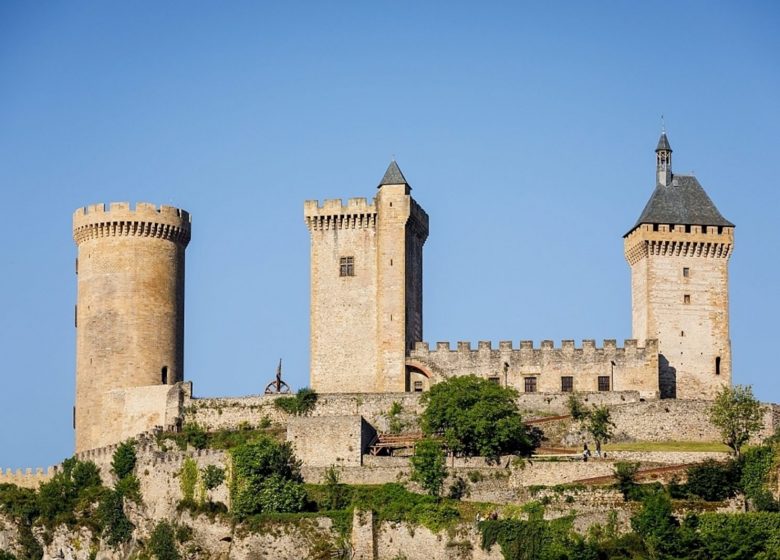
(77, 266)
(347, 266)
(686, 272)
(418, 387)
(717, 365)
(164, 375)
(74, 417)
(688, 228)
(567, 384)
(682, 333)
(603, 382)
(686, 299)
(530, 384)
(494, 379)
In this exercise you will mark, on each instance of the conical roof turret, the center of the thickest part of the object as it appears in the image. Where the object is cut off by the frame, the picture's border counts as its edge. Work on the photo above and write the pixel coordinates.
(393, 176)
(663, 143)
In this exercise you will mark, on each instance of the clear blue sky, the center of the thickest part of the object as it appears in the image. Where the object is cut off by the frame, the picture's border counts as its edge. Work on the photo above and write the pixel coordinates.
(526, 130)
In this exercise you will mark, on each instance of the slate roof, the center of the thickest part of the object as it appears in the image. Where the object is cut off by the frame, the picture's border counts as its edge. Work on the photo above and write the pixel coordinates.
(663, 143)
(684, 202)
(393, 176)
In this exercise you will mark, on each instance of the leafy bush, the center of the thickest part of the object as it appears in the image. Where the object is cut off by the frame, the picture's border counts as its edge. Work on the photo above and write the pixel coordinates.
(757, 464)
(625, 474)
(459, 489)
(266, 478)
(188, 479)
(746, 535)
(124, 459)
(301, 404)
(195, 436)
(395, 425)
(534, 539)
(213, 476)
(117, 528)
(336, 495)
(162, 542)
(577, 408)
(713, 481)
(475, 476)
(393, 502)
(59, 497)
(475, 417)
(428, 466)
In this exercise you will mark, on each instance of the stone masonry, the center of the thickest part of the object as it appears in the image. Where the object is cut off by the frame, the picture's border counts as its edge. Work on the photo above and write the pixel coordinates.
(129, 316)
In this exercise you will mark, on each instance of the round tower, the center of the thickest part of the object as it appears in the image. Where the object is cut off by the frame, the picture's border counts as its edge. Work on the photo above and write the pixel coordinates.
(129, 313)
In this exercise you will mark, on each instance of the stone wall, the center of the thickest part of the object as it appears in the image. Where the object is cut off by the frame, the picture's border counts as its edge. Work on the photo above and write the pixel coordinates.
(28, 478)
(336, 440)
(635, 367)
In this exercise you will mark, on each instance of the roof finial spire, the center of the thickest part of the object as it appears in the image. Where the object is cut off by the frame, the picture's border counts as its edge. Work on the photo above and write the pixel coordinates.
(663, 124)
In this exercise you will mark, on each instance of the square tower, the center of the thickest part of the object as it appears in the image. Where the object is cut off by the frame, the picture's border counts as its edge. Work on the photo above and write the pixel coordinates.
(679, 252)
(366, 288)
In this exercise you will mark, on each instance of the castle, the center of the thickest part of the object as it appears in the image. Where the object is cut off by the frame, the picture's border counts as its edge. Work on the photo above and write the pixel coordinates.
(366, 309)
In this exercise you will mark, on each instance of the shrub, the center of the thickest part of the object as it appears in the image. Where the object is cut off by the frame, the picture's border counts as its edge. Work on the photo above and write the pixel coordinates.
(475, 476)
(117, 528)
(162, 543)
(266, 478)
(428, 466)
(475, 417)
(58, 497)
(188, 480)
(335, 493)
(600, 425)
(458, 489)
(713, 481)
(756, 467)
(195, 436)
(625, 473)
(124, 459)
(577, 408)
(301, 404)
(213, 476)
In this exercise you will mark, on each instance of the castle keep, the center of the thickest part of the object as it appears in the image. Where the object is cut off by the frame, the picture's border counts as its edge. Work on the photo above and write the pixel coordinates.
(367, 313)
(366, 294)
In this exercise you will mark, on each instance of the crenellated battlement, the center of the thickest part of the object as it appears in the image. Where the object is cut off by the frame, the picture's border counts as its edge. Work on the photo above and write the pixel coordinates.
(679, 240)
(629, 366)
(120, 219)
(357, 213)
(27, 478)
(567, 346)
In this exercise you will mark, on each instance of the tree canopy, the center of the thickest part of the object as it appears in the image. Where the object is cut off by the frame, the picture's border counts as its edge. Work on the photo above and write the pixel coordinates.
(737, 414)
(476, 417)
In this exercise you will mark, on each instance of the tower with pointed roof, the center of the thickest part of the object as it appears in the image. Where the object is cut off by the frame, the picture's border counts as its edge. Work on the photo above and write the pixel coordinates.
(366, 288)
(679, 252)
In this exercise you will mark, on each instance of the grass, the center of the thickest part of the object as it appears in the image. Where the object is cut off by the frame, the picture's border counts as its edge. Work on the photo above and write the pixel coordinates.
(647, 446)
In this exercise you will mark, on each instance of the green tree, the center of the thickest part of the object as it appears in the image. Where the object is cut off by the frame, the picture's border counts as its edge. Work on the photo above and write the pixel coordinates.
(428, 466)
(266, 477)
(335, 492)
(577, 408)
(476, 418)
(162, 542)
(600, 425)
(625, 474)
(124, 459)
(656, 525)
(737, 414)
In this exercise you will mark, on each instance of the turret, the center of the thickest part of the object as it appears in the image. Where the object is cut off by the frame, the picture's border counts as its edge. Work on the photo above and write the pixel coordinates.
(129, 313)
(663, 161)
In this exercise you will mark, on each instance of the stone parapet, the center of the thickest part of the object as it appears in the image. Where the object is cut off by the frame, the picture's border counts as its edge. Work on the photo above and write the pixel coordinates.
(678, 240)
(120, 220)
(28, 478)
(333, 214)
